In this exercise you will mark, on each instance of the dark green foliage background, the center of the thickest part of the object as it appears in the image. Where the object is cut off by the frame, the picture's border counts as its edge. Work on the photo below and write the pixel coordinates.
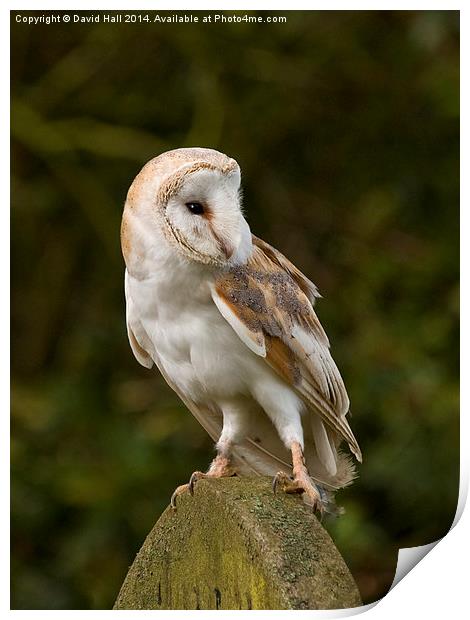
(346, 127)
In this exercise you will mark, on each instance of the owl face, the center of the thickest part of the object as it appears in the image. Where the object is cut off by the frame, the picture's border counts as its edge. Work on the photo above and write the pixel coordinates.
(204, 215)
(185, 201)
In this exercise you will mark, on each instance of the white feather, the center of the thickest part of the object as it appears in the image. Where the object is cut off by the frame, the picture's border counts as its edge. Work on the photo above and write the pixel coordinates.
(322, 444)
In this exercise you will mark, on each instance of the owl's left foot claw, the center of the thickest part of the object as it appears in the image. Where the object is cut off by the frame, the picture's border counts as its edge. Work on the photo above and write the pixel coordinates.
(195, 476)
(219, 469)
(178, 491)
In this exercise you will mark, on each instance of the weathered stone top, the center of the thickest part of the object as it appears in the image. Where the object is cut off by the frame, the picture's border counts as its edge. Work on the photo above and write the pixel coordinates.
(236, 545)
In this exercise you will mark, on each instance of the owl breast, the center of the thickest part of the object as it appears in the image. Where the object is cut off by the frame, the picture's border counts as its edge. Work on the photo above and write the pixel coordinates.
(197, 348)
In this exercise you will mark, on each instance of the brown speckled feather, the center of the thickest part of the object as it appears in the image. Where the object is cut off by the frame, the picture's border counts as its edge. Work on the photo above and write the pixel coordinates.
(269, 303)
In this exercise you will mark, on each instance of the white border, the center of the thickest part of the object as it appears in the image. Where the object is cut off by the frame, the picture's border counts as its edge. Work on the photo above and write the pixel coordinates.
(265, 5)
(438, 585)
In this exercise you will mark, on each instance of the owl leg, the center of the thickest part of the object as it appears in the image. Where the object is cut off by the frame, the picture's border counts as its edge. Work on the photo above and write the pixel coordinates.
(302, 483)
(283, 407)
(221, 466)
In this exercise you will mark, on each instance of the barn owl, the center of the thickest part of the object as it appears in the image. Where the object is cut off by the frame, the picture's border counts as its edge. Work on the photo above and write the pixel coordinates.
(229, 322)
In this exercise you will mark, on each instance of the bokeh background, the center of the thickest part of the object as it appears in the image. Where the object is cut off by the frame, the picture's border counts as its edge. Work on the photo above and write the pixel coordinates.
(346, 125)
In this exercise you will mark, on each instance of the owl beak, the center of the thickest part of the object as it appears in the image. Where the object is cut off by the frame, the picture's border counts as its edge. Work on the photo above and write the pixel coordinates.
(227, 246)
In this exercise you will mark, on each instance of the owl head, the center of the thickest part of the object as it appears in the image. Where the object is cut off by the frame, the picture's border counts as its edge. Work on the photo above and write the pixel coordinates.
(189, 199)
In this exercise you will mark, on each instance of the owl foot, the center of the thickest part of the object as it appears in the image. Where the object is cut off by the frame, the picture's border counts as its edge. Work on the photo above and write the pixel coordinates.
(301, 481)
(220, 468)
(195, 476)
(178, 491)
(311, 494)
(285, 483)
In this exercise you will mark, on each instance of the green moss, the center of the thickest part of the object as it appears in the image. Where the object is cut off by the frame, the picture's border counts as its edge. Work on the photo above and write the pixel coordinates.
(235, 545)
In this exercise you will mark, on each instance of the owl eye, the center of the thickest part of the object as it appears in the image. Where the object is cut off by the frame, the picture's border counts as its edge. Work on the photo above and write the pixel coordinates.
(195, 208)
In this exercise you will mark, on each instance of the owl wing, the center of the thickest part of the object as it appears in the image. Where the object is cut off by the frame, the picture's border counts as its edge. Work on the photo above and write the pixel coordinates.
(135, 332)
(269, 304)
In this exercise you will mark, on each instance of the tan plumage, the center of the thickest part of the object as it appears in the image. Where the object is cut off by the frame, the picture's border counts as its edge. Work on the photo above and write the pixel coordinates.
(271, 297)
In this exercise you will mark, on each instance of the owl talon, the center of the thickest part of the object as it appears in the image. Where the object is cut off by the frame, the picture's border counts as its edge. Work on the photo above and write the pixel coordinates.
(307, 489)
(281, 479)
(221, 470)
(314, 498)
(301, 484)
(195, 476)
(178, 491)
(274, 484)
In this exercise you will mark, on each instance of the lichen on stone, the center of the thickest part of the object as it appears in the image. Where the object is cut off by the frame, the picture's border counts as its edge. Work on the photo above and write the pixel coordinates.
(235, 545)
